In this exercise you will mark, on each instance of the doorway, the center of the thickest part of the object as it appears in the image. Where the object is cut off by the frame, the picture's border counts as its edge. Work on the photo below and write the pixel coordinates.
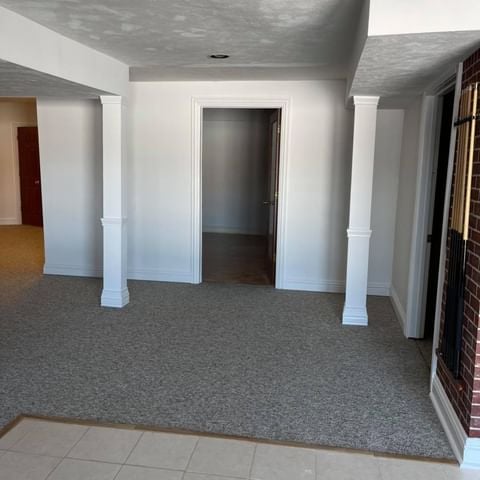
(240, 185)
(434, 240)
(21, 219)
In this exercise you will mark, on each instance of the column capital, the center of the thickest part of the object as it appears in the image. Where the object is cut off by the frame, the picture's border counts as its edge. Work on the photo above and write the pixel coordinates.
(365, 100)
(113, 100)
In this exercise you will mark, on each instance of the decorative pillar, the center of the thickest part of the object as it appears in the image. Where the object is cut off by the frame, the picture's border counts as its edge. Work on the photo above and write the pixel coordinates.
(114, 221)
(365, 120)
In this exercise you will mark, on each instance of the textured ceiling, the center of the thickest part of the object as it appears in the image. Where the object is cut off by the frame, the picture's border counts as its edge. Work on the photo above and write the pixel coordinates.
(17, 81)
(145, 34)
(406, 65)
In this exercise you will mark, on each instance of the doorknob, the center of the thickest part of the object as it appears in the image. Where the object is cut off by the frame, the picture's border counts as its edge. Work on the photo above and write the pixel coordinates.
(37, 182)
(268, 202)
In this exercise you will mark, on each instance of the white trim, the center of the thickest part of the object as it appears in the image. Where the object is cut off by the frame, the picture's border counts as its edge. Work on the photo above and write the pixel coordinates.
(326, 286)
(10, 221)
(334, 286)
(465, 449)
(365, 100)
(73, 270)
(112, 100)
(355, 316)
(415, 319)
(114, 298)
(359, 232)
(398, 308)
(149, 274)
(159, 275)
(446, 211)
(198, 104)
(379, 289)
(113, 220)
(448, 418)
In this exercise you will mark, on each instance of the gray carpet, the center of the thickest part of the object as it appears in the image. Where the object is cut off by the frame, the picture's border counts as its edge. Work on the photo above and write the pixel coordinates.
(240, 360)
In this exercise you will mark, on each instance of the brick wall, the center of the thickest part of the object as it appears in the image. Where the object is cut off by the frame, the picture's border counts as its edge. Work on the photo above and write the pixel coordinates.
(464, 393)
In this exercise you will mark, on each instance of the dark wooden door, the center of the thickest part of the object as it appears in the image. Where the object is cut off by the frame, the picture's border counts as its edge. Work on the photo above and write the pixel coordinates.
(272, 192)
(29, 166)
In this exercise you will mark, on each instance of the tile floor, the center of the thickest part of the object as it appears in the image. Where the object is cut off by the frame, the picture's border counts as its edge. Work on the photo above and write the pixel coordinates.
(44, 450)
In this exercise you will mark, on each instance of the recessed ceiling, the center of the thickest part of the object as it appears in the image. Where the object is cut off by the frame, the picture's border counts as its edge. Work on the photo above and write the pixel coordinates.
(179, 36)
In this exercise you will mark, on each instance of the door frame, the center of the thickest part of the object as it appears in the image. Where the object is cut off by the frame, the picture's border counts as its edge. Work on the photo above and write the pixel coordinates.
(198, 105)
(16, 167)
(429, 136)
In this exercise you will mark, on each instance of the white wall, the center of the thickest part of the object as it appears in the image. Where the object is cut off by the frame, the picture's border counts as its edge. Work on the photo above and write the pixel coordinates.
(159, 180)
(12, 114)
(405, 208)
(388, 149)
(234, 163)
(390, 17)
(70, 136)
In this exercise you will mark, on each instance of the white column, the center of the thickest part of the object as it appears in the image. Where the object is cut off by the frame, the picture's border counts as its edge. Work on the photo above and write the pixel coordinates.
(114, 221)
(355, 309)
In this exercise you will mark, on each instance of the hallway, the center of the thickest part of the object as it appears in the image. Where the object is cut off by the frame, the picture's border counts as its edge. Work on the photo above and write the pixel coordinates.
(230, 258)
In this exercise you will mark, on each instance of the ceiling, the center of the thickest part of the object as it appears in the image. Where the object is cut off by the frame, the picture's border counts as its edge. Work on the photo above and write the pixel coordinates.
(406, 65)
(165, 39)
(267, 40)
(18, 81)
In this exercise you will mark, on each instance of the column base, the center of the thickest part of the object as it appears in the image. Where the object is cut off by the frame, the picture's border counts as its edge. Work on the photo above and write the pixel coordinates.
(355, 316)
(115, 298)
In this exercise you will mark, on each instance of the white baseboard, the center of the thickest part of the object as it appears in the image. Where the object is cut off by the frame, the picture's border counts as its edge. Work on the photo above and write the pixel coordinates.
(379, 289)
(398, 308)
(10, 221)
(231, 230)
(465, 449)
(334, 286)
(158, 275)
(72, 270)
(323, 286)
(152, 274)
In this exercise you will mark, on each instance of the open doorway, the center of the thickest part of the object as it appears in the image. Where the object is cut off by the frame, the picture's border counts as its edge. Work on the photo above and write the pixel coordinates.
(434, 240)
(240, 182)
(21, 220)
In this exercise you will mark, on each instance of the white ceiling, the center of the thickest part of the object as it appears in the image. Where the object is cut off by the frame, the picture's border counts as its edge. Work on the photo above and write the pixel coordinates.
(393, 65)
(269, 38)
(17, 81)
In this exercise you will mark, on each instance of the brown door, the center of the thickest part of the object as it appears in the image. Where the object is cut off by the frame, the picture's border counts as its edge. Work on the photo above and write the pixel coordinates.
(29, 166)
(272, 192)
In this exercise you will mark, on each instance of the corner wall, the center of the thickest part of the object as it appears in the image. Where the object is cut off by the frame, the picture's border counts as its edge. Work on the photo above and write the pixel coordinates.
(388, 149)
(70, 139)
(405, 209)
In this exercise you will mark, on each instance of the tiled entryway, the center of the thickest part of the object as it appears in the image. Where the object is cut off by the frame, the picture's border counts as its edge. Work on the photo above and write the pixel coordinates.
(44, 450)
